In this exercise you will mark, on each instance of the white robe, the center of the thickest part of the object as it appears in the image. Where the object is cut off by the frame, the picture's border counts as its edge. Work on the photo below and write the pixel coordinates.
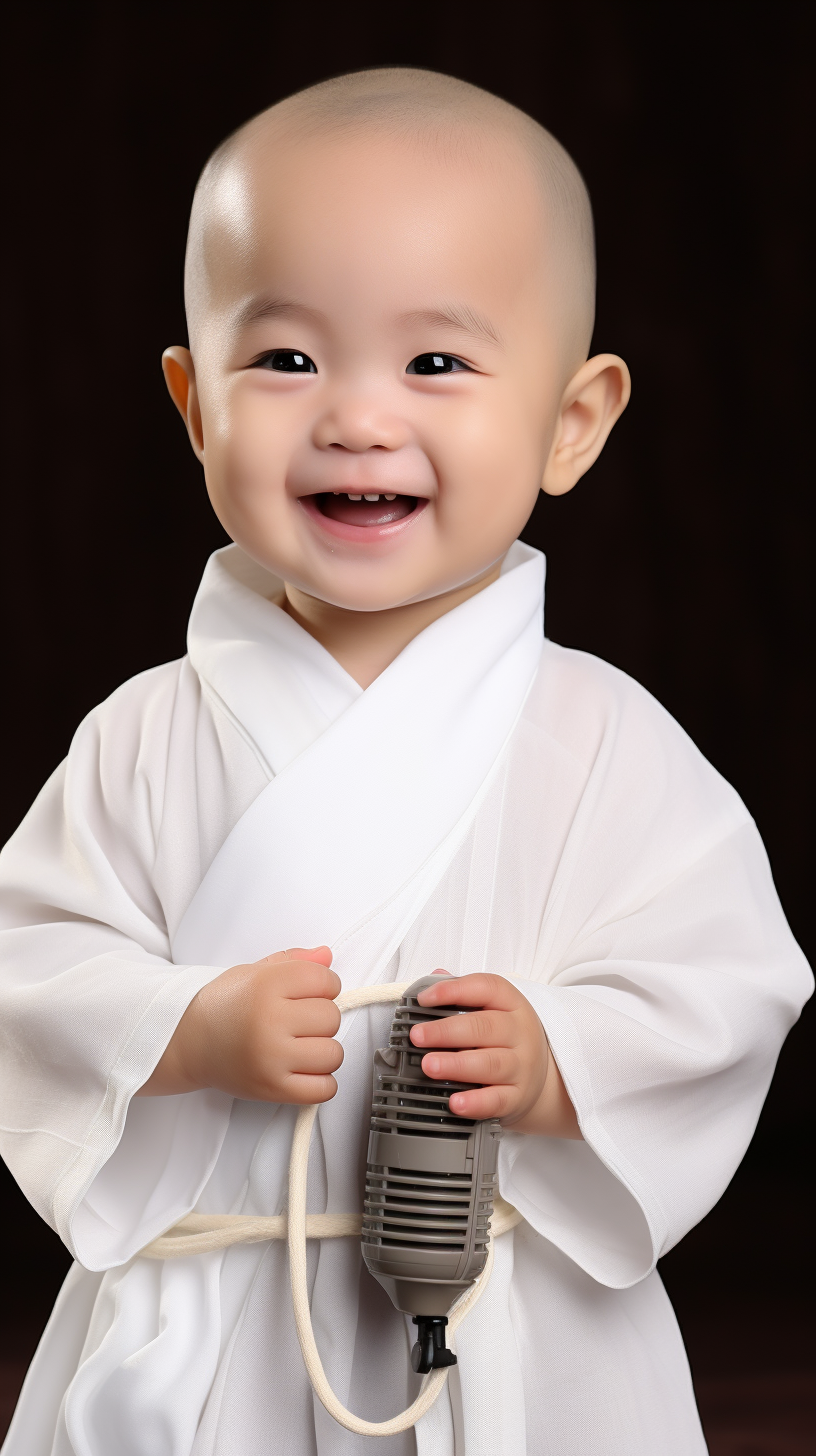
(491, 802)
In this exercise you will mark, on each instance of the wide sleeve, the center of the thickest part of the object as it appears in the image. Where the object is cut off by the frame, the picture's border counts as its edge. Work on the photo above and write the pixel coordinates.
(89, 996)
(666, 979)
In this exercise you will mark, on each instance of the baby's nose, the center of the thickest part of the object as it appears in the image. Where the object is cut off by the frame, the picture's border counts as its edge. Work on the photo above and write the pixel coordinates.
(359, 424)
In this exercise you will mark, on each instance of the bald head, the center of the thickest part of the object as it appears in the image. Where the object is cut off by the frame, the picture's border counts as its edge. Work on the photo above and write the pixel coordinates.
(451, 118)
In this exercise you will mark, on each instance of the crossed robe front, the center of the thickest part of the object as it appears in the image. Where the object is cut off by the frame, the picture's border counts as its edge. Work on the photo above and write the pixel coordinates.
(492, 802)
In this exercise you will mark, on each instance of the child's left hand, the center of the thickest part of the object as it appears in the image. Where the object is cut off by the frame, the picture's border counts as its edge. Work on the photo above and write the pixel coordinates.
(507, 1052)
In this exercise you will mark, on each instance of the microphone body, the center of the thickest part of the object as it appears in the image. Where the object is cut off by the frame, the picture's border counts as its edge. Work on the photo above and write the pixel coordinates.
(430, 1184)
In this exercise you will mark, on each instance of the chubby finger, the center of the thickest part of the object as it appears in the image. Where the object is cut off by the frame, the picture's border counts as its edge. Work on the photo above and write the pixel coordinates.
(486, 1064)
(312, 1055)
(476, 1029)
(305, 1091)
(301, 979)
(491, 992)
(314, 1016)
(482, 1102)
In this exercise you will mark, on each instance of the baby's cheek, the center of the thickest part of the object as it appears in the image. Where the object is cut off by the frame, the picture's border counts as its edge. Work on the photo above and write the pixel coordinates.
(245, 461)
(490, 477)
(254, 446)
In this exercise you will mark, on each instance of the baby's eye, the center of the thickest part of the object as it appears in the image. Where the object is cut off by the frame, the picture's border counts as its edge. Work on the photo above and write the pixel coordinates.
(289, 361)
(435, 364)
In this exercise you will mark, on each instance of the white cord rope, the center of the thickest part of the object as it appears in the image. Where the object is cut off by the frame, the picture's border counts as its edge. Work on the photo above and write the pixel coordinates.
(203, 1233)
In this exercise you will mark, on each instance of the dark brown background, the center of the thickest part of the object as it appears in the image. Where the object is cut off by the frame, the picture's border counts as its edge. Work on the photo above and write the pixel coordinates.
(682, 557)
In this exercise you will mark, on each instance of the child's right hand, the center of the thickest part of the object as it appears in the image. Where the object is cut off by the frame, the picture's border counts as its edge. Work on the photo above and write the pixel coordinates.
(263, 1032)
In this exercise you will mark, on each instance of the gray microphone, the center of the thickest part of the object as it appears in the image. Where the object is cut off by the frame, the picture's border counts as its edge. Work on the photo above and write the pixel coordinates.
(430, 1183)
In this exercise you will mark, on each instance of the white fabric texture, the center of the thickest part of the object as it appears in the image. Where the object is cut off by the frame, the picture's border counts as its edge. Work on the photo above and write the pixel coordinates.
(566, 835)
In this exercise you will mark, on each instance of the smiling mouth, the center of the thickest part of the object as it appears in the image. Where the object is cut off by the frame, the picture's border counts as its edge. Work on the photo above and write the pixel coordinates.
(365, 510)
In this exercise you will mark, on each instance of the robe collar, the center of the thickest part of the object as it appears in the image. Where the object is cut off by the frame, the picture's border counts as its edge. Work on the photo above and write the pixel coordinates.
(372, 787)
(274, 678)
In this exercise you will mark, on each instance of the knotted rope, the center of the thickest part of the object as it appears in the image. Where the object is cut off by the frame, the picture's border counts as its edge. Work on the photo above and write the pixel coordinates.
(203, 1233)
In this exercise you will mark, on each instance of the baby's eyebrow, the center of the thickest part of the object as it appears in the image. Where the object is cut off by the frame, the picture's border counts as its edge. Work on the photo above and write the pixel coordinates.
(257, 309)
(455, 316)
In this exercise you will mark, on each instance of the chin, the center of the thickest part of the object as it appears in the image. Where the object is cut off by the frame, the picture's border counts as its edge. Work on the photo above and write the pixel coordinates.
(386, 592)
(366, 587)
(354, 600)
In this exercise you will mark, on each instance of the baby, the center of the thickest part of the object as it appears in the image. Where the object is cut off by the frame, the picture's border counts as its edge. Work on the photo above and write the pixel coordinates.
(371, 752)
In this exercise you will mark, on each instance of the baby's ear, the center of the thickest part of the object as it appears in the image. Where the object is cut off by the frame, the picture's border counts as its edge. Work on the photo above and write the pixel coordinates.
(593, 400)
(180, 378)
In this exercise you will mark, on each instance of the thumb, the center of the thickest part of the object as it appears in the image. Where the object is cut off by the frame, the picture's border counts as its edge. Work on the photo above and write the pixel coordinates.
(319, 953)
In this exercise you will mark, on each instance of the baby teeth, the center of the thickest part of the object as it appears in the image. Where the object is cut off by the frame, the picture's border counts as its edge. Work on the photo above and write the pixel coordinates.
(366, 497)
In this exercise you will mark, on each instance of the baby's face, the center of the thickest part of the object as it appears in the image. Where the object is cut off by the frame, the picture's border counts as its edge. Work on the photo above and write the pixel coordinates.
(378, 368)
